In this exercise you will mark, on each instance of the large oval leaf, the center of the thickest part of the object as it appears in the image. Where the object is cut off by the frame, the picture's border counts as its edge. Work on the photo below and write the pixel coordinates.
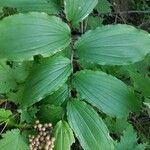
(88, 126)
(113, 45)
(64, 136)
(45, 79)
(105, 92)
(77, 10)
(24, 35)
(31, 5)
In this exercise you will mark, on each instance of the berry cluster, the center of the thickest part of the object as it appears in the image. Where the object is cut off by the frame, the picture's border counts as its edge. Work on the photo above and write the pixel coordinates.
(43, 140)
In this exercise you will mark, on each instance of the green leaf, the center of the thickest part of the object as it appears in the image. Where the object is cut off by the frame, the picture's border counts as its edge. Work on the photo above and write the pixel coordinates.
(50, 113)
(4, 114)
(58, 97)
(16, 95)
(46, 78)
(10, 76)
(20, 70)
(24, 35)
(1, 9)
(94, 22)
(113, 45)
(129, 141)
(138, 74)
(106, 92)
(141, 83)
(34, 5)
(140, 67)
(13, 140)
(64, 136)
(89, 128)
(78, 10)
(103, 6)
(7, 81)
(28, 114)
(148, 105)
(116, 126)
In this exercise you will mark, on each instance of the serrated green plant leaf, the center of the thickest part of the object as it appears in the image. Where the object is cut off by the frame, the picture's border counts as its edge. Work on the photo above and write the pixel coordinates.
(50, 113)
(13, 140)
(4, 114)
(7, 81)
(148, 105)
(10, 76)
(16, 95)
(78, 10)
(63, 135)
(58, 97)
(141, 83)
(113, 45)
(140, 67)
(34, 5)
(1, 9)
(139, 76)
(103, 6)
(94, 22)
(28, 114)
(115, 125)
(24, 35)
(89, 128)
(46, 78)
(106, 92)
(129, 141)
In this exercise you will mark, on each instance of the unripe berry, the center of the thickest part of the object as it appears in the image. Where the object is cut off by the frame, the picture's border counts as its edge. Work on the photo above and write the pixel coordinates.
(49, 143)
(50, 125)
(53, 139)
(37, 122)
(47, 137)
(39, 126)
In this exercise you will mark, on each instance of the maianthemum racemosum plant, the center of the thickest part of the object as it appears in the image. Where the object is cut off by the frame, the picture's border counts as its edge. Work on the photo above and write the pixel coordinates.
(44, 45)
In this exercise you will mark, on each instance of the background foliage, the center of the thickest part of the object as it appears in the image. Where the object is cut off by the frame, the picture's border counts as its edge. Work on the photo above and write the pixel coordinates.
(80, 67)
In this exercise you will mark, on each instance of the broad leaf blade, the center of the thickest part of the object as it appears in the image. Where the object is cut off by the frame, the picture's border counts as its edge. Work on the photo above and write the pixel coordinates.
(28, 114)
(46, 78)
(129, 141)
(88, 126)
(7, 81)
(4, 114)
(50, 113)
(141, 83)
(11, 75)
(115, 125)
(113, 45)
(64, 136)
(103, 6)
(148, 105)
(13, 140)
(16, 95)
(94, 22)
(24, 35)
(58, 97)
(34, 5)
(77, 10)
(105, 92)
